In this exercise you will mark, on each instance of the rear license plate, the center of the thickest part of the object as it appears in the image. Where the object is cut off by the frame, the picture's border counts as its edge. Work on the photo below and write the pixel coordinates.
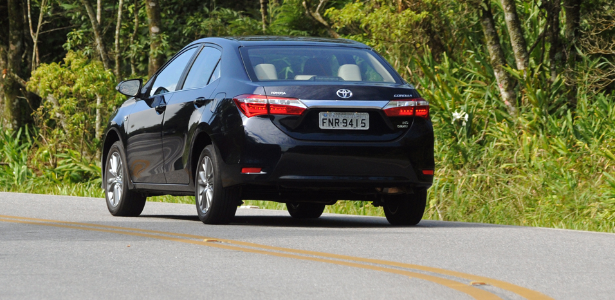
(344, 120)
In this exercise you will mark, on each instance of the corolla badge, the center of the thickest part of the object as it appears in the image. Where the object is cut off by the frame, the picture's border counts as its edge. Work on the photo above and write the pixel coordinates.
(344, 93)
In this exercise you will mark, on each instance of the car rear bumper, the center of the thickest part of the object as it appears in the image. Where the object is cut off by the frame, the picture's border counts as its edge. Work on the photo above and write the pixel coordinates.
(344, 167)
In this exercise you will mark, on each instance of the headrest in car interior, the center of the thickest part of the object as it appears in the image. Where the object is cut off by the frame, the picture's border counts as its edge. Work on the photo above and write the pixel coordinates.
(304, 77)
(266, 72)
(349, 72)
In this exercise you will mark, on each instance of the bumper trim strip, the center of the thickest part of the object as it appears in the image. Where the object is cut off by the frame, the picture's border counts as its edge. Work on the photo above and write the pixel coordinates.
(373, 104)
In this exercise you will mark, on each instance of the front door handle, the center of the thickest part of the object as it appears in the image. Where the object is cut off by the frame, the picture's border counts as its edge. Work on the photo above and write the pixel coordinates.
(200, 101)
(160, 108)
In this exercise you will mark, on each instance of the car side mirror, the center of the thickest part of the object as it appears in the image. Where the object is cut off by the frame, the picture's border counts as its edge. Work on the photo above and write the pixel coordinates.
(131, 87)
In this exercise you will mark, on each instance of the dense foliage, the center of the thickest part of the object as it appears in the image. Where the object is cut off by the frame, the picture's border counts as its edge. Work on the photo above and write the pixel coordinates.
(523, 112)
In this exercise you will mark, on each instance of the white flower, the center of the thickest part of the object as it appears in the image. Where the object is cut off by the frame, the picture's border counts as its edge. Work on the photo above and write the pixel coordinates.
(460, 116)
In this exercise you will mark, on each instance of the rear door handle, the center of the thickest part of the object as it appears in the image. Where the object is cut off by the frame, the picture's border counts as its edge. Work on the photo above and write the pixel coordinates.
(200, 101)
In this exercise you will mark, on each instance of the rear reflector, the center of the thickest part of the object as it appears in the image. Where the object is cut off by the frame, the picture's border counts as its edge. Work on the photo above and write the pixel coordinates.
(417, 107)
(250, 170)
(427, 172)
(254, 105)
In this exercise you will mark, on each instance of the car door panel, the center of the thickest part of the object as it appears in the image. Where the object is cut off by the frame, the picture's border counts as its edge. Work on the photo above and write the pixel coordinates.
(180, 114)
(144, 143)
(186, 109)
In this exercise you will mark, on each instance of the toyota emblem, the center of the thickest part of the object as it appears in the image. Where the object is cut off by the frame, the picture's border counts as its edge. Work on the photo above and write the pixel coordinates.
(344, 93)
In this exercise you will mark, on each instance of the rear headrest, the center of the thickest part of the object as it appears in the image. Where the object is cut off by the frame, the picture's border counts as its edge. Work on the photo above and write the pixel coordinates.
(266, 72)
(349, 72)
(304, 77)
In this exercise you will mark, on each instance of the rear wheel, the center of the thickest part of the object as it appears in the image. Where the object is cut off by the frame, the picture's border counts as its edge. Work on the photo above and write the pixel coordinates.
(214, 203)
(406, 209)
(120, 200)
(305, 210)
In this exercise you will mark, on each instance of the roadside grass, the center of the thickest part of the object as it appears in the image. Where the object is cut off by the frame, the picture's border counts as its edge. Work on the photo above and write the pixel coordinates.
(531, 200)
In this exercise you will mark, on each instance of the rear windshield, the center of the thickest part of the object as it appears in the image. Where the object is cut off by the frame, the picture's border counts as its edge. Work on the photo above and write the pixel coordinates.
(311, 63)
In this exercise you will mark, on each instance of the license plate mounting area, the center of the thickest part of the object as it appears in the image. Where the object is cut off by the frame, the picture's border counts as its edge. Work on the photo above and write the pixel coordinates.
(343, 120)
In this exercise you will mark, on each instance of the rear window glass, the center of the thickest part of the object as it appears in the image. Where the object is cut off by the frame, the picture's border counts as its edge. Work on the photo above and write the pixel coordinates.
(314, 64)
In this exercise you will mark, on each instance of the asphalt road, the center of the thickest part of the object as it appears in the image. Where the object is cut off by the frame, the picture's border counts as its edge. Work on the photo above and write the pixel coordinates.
(57, 247)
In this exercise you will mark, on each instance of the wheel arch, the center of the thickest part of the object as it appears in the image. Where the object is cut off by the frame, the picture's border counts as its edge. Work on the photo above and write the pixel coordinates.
(201, 139)
(111, 137)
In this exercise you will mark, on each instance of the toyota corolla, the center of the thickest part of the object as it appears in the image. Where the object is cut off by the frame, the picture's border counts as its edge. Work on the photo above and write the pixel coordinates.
(302, 121)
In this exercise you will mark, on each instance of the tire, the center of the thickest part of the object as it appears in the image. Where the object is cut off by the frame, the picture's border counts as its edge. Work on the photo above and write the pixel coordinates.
(120, 200)
(214, 203)
(406, 209)
(305, 210)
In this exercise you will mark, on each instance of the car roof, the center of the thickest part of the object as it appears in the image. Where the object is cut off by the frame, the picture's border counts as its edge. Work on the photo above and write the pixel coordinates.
(247, 41)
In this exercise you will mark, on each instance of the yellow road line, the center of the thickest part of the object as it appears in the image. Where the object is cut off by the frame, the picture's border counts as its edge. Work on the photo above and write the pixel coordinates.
(524, 292)
(467, 289)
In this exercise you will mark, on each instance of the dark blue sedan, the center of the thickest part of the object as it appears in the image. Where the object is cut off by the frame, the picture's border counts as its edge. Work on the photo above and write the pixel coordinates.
(302, 121)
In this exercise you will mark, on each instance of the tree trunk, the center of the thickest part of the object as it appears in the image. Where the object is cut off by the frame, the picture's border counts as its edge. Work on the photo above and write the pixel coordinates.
(400, 6)
(497, 58)
(133, 64)
(153, 20)
(117, 39)
(35, 53)
(515, 31)
(4, 41)
(98, 120)
(4, 122)
(318, 17)
(264, 15)
(98, 11)
(59, 116)
(100, 45)
(571, 29)
(555, 53)
(12, 105)
(31, 34)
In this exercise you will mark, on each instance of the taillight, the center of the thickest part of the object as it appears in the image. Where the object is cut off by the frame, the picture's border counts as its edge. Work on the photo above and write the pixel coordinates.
(417, 107)
(254, 105)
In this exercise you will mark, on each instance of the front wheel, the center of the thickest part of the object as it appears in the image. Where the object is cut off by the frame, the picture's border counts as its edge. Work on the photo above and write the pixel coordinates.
(120, 200)
(305, 210)
(214, 203)
(406, 209)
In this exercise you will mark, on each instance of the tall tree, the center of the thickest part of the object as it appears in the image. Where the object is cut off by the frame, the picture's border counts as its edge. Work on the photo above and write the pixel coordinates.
(12, 64)
(264, 14)
(553, 9)
(100, 44)
(497, 58)
(315, 14)
(99, 11)
(133, 38)
(156, 59)
(34, 35)
(3, 59)
(515, 31)
(117, 39)
(571, 30)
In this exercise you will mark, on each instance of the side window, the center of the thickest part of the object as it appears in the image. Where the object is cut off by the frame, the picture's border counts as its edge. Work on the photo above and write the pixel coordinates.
(216, 74)
(167, 80)
(202, 68)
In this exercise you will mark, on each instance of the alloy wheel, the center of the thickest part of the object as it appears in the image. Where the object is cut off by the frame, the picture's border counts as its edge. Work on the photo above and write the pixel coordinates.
(114, 179)
(205, 184)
